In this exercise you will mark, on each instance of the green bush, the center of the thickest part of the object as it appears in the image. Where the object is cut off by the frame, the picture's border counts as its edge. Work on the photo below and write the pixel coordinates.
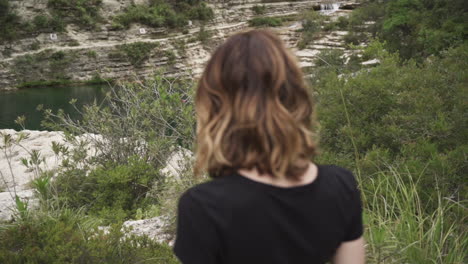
(159, 14)
(157, 116)
(70, 237)
(398, 125)
(9, 21)
(45, 66)
(354, 38)
(199, 12)
(410, 112)
(414, 29)
(35, 45)
(203, 35)
(259, 10)
(342, 22)
(84, 13)
(43, 23)
(265, 22)
(113, 192)
(136, 53)
(312, 23)
(171, 57)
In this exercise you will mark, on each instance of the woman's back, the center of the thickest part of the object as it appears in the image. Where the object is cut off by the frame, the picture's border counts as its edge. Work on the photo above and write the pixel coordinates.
(255, 124)
(234, 219)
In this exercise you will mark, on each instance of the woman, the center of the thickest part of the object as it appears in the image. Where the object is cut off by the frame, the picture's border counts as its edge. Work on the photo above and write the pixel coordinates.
(267, 202)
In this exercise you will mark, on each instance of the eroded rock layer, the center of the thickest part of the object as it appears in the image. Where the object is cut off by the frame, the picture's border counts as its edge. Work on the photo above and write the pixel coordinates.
(80, 55)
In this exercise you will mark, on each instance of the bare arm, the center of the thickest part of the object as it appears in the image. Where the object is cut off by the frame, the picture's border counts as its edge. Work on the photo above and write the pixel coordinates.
(351, 252)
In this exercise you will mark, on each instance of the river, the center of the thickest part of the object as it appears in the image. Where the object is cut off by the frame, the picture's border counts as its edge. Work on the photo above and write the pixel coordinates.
(25, 101)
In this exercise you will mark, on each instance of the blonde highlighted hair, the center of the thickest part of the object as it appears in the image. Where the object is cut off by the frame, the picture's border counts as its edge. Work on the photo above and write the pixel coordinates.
(253, 109)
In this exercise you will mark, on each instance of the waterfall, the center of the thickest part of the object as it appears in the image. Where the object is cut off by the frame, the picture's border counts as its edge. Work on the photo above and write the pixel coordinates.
(329, 8)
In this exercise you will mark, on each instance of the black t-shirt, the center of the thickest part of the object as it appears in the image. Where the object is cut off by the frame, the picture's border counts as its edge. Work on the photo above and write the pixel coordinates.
(235, 220)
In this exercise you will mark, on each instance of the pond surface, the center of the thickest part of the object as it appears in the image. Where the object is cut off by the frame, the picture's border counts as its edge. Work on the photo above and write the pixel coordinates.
(25, 101)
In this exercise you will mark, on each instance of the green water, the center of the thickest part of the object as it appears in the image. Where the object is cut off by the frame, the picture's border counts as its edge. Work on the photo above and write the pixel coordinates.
(25, 101)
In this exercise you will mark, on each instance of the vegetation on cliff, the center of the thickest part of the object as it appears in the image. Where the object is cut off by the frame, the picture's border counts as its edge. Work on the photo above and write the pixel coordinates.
(400, 125)
(163, 13)
(87, 15)
(413, 28)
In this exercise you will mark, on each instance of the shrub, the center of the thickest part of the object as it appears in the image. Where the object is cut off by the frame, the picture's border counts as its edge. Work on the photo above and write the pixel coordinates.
(159, 14)
(421, 29)
(136, 53)
(265, 22)
(387, 109)
(43, 23)
(113, 192)
(203, 35)
(312, 23)
(35, 45)
(354, 38)
(199, 12)
(342, 22)
(9, 22)
(396, 125)
(329, 26)
(157, 116)
(171, 57)
(84, 13)
(259, 10)
(331, 58)
(69, 237)
(45, 66)
(91, 54)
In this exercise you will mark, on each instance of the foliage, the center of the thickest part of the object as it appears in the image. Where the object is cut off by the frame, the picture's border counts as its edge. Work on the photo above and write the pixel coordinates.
(136, 53)
(148, 119)
(44, 23)
(84, 13)
(164, 14)
(9, 22)
(401, 231)
(171, 57)
(259, 9)
(68, 236)
(112, 192)
(203, 35)
(312, 23)
(13, 27)
(45, 67)
(414, 28)
(408, 112)
(265, 22)
(398, 125)
(168, 194)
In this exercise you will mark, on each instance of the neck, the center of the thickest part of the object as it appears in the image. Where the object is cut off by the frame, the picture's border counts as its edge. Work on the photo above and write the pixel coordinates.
(307, 177)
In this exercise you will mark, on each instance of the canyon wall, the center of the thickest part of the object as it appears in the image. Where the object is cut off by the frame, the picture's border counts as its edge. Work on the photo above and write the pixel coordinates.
(105, 53)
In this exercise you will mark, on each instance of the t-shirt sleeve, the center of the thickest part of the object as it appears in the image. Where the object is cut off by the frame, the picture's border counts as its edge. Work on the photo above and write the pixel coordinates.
(354, 226)
(196, 239)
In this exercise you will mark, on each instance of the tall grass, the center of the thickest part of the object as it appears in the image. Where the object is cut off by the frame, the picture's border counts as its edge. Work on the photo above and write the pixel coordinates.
(400, 229)
(400, 226)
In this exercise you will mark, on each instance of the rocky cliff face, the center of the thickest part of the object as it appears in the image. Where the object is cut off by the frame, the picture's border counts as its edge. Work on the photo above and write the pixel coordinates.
(80, 55)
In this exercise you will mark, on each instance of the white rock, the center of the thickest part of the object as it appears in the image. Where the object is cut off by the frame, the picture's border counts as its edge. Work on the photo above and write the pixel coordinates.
(177, 162)
(12, 171)
(152, 227)
(371, 62)
(8, 204)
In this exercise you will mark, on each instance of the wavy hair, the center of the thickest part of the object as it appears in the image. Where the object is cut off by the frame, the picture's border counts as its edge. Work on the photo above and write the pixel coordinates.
(253, 109)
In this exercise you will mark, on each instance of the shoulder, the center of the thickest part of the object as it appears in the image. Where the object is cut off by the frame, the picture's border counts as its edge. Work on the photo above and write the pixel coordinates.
(339, 177)
(210, 193)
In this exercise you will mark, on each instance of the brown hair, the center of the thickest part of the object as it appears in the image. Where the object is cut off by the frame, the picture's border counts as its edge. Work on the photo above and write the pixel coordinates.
(253, 109)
